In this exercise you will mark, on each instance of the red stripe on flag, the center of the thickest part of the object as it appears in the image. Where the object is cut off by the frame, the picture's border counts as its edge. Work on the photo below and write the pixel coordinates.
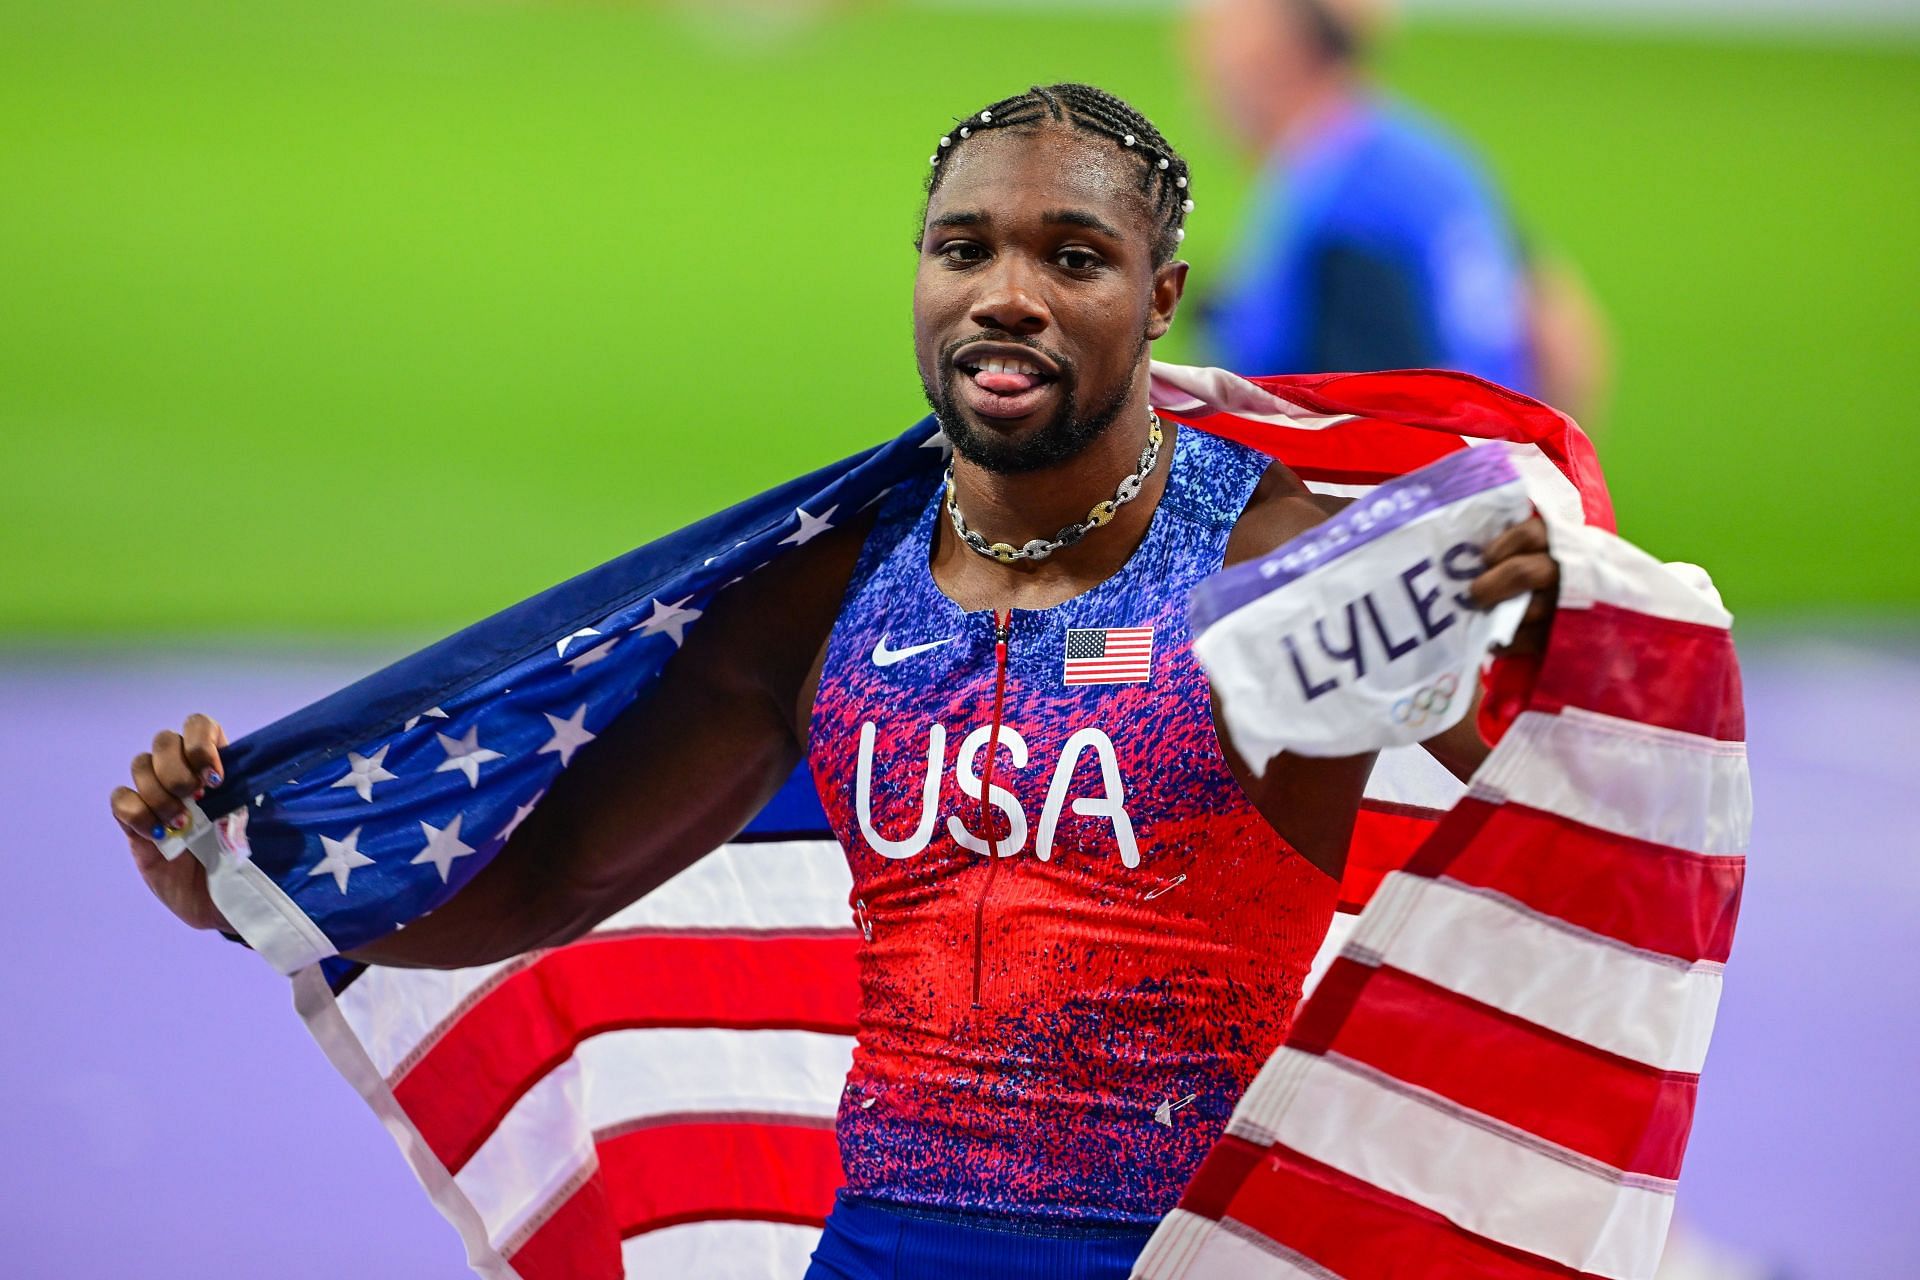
(661, 1175)
(1619, 1112)
(1672, 901)
(1385, 836)
(1678, 675)
(1232, 1159)
(1362, 451)
(578, 1240)
(1355, 1229)
(507, 1040)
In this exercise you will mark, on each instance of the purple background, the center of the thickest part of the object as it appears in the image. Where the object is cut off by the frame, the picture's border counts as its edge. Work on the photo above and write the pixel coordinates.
(170, 1117)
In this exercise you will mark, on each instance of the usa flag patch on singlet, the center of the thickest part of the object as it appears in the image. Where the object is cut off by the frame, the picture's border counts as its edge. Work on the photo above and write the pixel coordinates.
(1109, 655)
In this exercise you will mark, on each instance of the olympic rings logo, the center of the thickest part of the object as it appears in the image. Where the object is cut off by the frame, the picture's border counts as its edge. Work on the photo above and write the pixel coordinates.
(1429, 703)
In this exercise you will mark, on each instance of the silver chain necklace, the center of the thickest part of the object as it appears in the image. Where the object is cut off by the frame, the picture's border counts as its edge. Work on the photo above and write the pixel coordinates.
(1041, 548)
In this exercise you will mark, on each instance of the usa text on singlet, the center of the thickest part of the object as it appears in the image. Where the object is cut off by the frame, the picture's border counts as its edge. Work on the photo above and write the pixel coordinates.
(1059, 1032)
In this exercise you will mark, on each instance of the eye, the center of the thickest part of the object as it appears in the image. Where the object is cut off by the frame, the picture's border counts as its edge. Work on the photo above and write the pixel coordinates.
(1077, 259)
(961, 252)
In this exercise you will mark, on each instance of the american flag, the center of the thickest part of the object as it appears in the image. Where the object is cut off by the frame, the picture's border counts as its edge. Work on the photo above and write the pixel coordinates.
(656, 1099)
(1496, 1077)
(1109, 655)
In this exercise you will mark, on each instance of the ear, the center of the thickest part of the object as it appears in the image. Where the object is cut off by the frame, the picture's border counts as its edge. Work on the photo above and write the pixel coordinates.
(1169, 284)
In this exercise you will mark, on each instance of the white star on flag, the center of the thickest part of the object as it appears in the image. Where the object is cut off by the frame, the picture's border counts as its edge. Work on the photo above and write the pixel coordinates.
(364, 771)
(560, 646)
(465, 754)
(434, 712)
(342, 856)
(443, 845)
(938, 440)
(669, 620)
(598, 653)
(520, 815)
(569, 735)
(811, 527)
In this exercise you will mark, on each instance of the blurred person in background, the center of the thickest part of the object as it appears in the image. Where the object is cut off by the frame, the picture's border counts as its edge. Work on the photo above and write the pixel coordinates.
(1375, 241)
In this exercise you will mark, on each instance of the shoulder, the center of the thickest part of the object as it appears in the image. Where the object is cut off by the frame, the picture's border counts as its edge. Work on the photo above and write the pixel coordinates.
(1280, 508)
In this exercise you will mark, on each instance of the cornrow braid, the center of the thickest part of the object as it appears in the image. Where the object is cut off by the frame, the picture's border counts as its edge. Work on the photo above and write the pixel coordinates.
(1165, 182)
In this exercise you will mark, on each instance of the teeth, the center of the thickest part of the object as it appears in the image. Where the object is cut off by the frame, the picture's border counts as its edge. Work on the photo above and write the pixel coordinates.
(1002, 364)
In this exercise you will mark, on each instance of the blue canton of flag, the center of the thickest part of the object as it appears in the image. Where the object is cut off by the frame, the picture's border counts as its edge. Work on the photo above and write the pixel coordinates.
(346, 820)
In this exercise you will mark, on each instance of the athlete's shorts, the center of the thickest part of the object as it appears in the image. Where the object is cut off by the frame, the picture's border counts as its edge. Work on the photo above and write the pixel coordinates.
(874, 1240)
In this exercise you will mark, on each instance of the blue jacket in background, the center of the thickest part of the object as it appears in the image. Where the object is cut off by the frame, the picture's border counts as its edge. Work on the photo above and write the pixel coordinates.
(1377, 244)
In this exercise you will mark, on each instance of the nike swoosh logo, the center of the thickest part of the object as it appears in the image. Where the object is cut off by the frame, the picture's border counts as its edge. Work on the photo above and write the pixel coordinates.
(885, 657)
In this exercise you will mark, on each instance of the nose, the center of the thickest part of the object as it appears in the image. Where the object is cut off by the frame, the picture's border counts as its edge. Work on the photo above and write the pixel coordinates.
(1009, 299)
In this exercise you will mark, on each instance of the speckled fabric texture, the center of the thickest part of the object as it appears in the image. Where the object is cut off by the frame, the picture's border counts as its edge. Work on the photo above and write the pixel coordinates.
(1063, 1037)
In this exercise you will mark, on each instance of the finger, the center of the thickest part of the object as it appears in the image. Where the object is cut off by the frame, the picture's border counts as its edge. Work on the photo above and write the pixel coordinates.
(1526, 537)
(204, 737)
(133, 813)
(170, 764)
(165, 805)
(1509, 578)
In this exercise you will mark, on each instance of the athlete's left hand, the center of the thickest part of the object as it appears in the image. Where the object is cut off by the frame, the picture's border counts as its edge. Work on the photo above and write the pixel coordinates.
(1518, 561)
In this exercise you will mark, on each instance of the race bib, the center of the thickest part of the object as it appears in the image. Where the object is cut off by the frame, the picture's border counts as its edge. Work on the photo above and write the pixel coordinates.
(1359, 634)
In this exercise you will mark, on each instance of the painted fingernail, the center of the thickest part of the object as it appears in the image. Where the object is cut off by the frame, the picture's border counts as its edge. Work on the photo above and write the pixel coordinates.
(213, 777)
(179, 822)
(158, 833)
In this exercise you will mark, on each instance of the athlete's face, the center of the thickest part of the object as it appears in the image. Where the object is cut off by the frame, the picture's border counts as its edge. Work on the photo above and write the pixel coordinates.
(1036, 294)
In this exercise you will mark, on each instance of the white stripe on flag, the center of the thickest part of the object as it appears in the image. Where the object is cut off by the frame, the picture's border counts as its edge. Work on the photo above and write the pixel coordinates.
(1637, 780)
(1477, 1174)
(1410, 775)
(317, 1007)
(623, 1076)
(539, 1153)
(721, 1251)
(784, 884)
(1649, 1008)
(393, 1011)
(1170, 1252)
(1184, 388)
(1238, 1252)
(633, 1075)
(1339, 930)
(1547, 485)
(1332, 489)
(1596, 566)
(776, 885)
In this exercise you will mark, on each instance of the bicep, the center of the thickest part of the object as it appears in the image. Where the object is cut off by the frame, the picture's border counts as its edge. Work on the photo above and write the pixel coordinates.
(1311, 801)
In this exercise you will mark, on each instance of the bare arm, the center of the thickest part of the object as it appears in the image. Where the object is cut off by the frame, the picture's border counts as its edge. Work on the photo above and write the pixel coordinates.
(1313, 802)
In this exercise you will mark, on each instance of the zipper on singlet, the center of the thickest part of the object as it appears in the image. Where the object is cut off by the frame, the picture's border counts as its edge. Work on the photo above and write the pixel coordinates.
(1002, 631)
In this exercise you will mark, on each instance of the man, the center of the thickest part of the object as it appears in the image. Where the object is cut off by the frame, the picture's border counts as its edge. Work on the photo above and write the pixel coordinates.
(1375, 240)
(1022, 1017)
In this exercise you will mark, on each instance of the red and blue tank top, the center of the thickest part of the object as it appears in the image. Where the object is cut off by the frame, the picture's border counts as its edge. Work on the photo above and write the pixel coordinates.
(1075, 958)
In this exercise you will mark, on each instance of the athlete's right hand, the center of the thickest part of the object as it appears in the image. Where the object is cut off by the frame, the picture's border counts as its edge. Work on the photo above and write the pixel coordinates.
(180, 766)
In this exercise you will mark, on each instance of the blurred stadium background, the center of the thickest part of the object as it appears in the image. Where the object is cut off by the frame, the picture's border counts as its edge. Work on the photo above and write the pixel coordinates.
(328, 328)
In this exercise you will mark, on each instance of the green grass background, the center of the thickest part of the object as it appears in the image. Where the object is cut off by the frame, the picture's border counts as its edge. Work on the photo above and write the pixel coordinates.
(349, 317)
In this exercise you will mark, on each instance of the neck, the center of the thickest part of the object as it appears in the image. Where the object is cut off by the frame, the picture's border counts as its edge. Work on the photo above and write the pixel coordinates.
(1038, 504)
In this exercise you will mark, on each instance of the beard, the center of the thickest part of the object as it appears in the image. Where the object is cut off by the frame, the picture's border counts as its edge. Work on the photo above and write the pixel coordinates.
(1061, 438)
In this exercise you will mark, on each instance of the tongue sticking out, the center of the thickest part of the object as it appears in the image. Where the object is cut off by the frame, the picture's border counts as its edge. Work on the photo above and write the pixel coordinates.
(1005, 384)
